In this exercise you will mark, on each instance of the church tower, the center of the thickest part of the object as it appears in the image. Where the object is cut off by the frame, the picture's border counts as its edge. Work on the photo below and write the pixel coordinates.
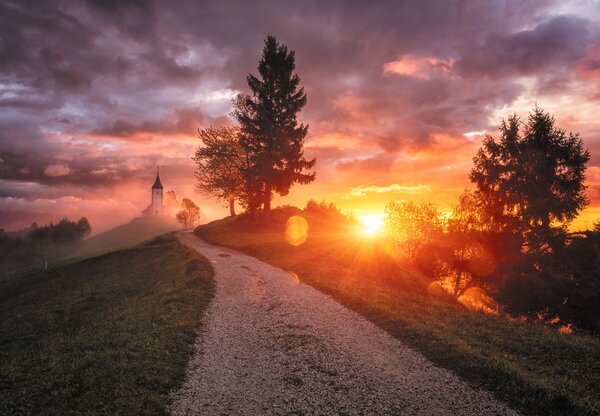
(157, 196)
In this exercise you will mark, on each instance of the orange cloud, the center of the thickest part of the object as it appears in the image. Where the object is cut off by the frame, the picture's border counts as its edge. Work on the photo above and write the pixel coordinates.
(407, 189)
(418, 67)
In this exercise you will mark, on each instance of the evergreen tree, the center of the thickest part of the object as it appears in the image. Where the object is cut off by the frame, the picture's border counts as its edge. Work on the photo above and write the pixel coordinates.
(270, 133)
(532, 182)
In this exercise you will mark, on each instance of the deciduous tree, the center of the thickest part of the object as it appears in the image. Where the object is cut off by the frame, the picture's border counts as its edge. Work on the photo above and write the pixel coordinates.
(412, 226)
(189, 214)
(219, 165)
(464, 252)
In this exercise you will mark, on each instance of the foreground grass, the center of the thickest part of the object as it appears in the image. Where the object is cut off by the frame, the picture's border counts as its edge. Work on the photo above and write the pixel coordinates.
(536, 370)
(106, 335)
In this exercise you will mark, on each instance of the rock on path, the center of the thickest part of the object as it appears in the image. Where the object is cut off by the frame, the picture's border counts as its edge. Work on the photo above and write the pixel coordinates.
(273, 346)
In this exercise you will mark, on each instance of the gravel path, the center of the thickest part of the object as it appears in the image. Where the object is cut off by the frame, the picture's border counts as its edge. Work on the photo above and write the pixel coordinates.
(273, 346)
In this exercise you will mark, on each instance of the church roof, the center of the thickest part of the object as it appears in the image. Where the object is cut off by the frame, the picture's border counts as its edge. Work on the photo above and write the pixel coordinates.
(157, 184)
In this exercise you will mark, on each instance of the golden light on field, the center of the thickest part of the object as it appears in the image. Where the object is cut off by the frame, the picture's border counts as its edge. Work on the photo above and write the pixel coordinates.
(475, 299)
(372, 224)
(296, 230)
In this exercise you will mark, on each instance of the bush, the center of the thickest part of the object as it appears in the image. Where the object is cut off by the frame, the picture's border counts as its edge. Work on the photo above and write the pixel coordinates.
(564, 283)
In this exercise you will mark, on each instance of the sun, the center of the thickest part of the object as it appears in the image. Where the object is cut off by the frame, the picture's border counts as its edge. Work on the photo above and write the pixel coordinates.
(372, 224)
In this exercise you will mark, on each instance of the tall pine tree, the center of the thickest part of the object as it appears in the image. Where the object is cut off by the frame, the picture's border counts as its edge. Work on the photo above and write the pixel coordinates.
(270, 133)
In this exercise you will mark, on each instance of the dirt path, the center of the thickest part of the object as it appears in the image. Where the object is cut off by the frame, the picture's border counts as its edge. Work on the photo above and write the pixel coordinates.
(271, 345)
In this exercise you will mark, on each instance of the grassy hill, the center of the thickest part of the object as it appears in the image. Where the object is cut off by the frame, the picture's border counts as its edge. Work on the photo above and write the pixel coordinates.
(107, 335)
(134, 232)
(535, 369)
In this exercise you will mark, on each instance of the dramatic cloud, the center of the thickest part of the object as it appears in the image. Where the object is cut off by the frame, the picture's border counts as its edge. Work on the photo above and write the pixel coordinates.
(95, 94)
(547, 47)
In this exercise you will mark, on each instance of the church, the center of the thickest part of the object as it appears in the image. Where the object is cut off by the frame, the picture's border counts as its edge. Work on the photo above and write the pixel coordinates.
(157, 196)
(156, 204)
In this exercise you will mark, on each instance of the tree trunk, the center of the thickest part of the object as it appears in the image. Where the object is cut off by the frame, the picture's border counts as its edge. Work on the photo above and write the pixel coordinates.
(457, 284)
(232, 204)
(267, 202)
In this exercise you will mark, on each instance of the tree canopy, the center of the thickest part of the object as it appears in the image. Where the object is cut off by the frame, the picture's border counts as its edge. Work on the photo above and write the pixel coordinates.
(270, 133)
(189, 214)
(219, 165)
(412, 226)
(531, 179)
(63, 232)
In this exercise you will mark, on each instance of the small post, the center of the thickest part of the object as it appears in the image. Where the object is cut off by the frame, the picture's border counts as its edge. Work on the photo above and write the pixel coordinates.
(45, 264)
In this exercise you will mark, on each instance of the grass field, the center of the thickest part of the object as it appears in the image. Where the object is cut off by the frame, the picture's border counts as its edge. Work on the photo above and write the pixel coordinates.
(536, 370)
(106, 335)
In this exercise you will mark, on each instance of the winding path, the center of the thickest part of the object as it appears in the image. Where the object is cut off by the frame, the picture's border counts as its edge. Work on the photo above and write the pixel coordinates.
(272, 346)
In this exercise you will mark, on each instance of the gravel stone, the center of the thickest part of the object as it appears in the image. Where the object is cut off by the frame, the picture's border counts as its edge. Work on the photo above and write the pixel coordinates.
(270, 345)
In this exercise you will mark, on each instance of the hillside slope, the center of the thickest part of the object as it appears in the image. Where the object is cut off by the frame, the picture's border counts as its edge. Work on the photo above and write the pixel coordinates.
(134, 232)
(107, 335)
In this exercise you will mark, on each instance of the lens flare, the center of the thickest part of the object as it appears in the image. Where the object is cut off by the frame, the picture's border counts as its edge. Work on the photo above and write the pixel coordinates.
(296, 230)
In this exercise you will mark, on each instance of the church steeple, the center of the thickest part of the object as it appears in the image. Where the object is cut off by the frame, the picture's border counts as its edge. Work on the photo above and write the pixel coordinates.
(157, 196)
(157, 184)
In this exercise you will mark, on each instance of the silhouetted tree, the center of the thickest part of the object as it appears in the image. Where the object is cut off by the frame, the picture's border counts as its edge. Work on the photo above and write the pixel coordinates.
(219, 165)
(189, 214)
(28, 247)
(63, 232)
(271, 135)
(531, 182)
(83, 227)
(464, 252)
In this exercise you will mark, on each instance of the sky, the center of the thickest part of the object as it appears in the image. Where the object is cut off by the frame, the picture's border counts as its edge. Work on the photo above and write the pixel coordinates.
(95, 94)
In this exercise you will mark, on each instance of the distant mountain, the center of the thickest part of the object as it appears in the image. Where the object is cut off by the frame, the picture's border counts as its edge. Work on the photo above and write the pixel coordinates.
(134, 232)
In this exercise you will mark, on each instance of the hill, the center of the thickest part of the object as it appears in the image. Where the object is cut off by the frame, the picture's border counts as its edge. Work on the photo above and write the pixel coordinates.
(507, 357)
(106, 335)
(333, 241)
(134, 232)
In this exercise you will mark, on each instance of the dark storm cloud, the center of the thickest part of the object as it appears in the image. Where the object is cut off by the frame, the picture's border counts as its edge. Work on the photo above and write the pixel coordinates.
(116, 48)
(184, 121)
(548, 47)
(38, 45)
(135, 18)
